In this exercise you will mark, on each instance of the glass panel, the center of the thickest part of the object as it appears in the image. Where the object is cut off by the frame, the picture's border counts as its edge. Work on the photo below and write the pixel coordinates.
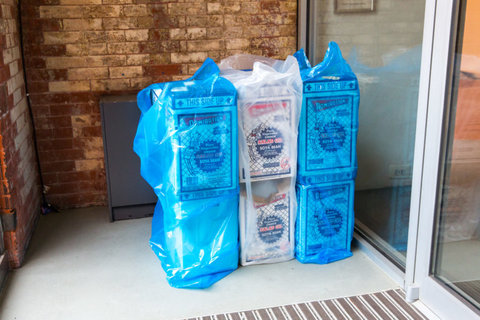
(457, 243)
(383, 47)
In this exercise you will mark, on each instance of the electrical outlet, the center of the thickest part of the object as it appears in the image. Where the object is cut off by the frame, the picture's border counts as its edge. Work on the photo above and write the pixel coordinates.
(400, 171)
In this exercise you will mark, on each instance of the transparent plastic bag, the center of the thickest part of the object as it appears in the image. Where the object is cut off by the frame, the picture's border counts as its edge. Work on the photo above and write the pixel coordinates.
(245, 62)
(329, 120)
(187, 141)
(269, 102)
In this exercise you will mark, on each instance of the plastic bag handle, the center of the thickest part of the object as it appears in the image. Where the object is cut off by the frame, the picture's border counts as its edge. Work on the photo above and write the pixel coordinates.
(302, 59)
(208, 68)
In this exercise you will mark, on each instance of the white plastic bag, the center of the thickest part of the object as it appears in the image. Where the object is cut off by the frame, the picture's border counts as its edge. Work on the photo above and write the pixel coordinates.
(269, 105)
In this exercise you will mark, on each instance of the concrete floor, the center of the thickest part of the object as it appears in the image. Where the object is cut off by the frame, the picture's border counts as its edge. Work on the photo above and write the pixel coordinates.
(81, 266)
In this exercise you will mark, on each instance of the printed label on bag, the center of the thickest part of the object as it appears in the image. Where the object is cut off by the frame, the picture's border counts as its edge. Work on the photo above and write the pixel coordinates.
(204, 102)
(273, 219)
(329, 86)
(267, 129)
(329, 132)
(328, 223)
(270, 229)
(327, 214)
(272, 237)
(205, 151)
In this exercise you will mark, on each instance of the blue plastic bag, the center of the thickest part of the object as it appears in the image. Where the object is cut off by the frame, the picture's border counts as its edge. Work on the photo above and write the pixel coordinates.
(327, 162)
(327, 134)
(187, 140)
(325, 222)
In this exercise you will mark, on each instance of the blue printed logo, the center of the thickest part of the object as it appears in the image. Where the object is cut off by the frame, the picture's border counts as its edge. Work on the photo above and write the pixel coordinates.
(270, 229)
(209, 156)
(269, 142)
(328, 223)
(329, 137)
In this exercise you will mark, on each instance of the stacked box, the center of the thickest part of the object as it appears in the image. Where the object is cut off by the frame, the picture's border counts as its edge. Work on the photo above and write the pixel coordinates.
(328, 131)
(325, 221)
(269, 101)
(269, 235)
(204, 137)
(267, 126)
(327, 160)
(187, 141)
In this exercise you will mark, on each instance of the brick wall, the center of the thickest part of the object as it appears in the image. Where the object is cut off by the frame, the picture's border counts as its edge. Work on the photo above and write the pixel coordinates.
(78, 50)
(20, 190)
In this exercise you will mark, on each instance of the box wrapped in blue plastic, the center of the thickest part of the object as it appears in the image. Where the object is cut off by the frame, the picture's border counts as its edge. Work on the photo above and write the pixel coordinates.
(325, 222)
(327, 133)
(187, 141)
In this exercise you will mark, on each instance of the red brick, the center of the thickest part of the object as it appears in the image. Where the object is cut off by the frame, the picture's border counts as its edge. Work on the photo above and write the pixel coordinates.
(46, 75)
(57, 144)
(45, 50)
(41, 111)
(29, 11)
(57, 166)
(35, 25)
(77, 176)
(47, 134)
(35, 62)
(53, 122)
(36, 86)
(63, 98)
(63, 188)
(161, 70)
(59, 155)
(269, 7)
(158, 34)
(74, 109)
(4, 74)
(49, 178)
(90, 132)
(161, 46)
(3, 99)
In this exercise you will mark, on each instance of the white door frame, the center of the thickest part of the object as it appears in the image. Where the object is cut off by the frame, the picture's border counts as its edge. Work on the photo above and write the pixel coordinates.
(437, 296)
(411, 287)
(432, 103)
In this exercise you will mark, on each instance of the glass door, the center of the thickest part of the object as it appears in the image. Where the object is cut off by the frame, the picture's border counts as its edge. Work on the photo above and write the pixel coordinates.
(382, 40)
(447, 268)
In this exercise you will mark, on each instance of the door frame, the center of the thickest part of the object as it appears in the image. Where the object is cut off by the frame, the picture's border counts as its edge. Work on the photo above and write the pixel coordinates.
(440, 16)
(432, 292)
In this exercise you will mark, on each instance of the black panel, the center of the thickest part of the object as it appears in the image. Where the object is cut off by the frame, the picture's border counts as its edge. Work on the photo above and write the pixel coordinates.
(126, 187)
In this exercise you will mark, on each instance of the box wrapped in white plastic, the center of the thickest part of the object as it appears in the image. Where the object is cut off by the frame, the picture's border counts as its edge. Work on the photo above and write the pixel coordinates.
(267, 127)
(269, 106)
(267, 224)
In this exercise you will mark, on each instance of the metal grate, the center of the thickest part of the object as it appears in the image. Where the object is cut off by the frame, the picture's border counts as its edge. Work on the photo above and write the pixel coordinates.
(376, 306)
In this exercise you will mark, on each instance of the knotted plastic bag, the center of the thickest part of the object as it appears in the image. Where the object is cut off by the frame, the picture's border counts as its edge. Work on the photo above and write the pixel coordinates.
(269, 102)
(187, 141)
(329, 120)
(327, 161)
